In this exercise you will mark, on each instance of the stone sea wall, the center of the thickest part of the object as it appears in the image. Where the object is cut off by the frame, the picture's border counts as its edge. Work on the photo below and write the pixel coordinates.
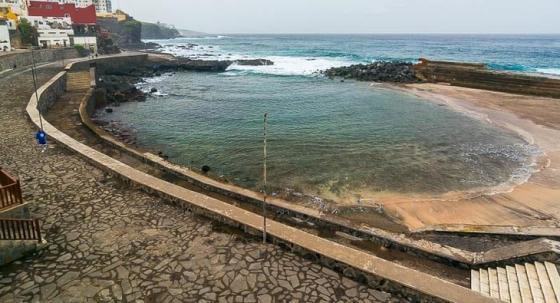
(19, 59)
(52, 92)
(478, 76)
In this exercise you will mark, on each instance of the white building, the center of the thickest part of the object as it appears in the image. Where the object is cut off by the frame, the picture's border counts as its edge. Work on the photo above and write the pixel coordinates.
(10, 7)
(53, 31)
(101, 6)
(17, 6)
(5, 44)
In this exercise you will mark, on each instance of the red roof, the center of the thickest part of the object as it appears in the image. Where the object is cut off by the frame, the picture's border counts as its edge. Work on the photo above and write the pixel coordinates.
(79, 15)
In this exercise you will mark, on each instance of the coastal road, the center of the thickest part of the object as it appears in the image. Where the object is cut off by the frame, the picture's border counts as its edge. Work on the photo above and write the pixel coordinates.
(108, 242)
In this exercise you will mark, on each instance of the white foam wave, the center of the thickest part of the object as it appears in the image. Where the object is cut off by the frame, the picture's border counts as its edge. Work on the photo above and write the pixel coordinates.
(283, 65)
(551, 71)
(205, 37)
(290, 66)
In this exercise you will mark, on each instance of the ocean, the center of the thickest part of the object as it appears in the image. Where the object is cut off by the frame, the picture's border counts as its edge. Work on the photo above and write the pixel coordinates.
(331, 139)
(292, 53)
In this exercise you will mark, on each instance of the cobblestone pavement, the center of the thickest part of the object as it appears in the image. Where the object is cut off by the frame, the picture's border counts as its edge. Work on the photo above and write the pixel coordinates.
(108, 242)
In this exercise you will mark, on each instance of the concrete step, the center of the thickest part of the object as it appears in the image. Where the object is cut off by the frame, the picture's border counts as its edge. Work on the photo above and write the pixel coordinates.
(544, 281)
(554, 277)
(503, 284)
(493, 278)
(484, 282)
(475, 280)
(78, 81)
(524, 285)
(513, 285)
(528, 283)
(536, 290)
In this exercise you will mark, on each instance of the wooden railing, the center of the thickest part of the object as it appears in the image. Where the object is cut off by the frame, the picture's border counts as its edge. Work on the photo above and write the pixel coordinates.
(16, 229)
(10, 190)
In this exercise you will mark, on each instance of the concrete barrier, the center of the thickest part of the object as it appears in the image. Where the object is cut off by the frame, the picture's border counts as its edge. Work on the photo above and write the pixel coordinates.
(21, 59)
(478, 76)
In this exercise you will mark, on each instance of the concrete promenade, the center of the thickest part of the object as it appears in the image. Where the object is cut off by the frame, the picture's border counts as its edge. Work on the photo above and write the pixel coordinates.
(109, 242)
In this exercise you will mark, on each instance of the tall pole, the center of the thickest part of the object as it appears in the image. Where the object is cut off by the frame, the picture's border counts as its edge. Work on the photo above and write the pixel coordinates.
(264, 181)
(33, 73)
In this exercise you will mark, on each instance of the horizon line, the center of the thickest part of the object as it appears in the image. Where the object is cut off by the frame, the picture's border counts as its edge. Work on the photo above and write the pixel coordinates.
(350, 33)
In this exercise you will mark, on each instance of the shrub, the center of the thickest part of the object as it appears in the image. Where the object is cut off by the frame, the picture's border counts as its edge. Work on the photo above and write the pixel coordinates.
(82, 51)
(28, 32)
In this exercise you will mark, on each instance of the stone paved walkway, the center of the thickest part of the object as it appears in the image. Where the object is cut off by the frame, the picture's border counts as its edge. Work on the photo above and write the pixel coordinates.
(110, 243)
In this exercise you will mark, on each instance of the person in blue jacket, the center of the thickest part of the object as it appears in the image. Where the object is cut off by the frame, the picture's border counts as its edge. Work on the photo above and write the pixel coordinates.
(41, 138)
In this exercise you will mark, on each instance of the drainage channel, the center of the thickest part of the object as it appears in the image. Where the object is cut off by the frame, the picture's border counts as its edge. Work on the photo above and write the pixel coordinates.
(64, 115)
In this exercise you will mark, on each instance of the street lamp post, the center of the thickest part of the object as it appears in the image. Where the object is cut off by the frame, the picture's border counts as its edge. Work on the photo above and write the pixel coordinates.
(34, 75)
(264, 180)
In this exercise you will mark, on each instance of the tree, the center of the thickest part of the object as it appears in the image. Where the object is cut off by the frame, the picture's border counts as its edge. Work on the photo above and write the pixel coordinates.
(28, 32)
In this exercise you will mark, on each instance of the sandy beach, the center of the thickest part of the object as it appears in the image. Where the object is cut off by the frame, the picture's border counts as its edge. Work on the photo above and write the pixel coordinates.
(534, 203)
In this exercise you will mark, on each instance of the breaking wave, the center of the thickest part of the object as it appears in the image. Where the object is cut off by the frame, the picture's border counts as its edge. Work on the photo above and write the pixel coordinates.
(290, 66)
(550, 71)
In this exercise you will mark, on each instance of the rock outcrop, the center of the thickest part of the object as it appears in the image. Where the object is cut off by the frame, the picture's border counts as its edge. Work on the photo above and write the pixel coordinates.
(207, 65)
(254, 62)
(398, 72)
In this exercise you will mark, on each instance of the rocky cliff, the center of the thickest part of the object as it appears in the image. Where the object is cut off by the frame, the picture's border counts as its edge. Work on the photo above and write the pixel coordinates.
(158, 31)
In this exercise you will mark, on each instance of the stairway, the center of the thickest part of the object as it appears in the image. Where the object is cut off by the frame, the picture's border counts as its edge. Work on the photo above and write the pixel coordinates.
(530, 283)
(78, 81)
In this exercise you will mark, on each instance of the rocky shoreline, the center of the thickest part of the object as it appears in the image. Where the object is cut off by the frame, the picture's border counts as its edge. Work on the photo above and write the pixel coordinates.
(384, 71)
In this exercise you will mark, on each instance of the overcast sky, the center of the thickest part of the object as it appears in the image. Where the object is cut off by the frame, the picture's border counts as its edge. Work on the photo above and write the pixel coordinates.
(351, 16)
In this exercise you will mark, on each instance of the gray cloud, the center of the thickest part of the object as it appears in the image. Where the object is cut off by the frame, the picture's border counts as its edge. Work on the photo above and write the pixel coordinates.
(351, 16)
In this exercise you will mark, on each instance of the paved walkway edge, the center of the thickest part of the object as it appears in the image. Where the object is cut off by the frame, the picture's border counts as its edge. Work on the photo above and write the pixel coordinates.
(355, 263)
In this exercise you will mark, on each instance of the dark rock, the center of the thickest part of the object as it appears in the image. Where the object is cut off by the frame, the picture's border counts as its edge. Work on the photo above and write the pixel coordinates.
(108, 110)
(163, 156)
(203, 65)
(398, 72)
(205, 169)
(153, 90)
(254, 62)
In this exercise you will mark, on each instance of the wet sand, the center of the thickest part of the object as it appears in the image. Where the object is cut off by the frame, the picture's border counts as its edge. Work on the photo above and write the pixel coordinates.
(533, 203)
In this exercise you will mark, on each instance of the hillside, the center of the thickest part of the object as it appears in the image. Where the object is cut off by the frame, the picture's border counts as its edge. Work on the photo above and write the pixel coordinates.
(189, 33)
(159, 31)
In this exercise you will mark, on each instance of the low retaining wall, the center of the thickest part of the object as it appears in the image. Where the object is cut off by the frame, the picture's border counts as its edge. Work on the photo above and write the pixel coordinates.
(359, 265)
(112, 64)
(478, 76)
(21, 59)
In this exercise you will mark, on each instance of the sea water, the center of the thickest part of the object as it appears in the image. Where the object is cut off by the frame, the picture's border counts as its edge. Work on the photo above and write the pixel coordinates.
(330, 138)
